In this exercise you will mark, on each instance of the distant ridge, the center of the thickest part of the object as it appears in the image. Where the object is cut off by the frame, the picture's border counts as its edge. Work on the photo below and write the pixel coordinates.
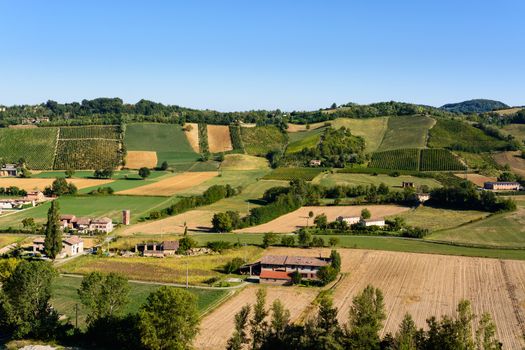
(474, 106)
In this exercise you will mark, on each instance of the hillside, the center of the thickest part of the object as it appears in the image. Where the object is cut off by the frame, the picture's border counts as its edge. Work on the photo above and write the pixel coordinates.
(474, 106)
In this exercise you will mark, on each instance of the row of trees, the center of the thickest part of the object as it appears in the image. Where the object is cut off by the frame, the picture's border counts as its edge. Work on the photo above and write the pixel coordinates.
(257, 327)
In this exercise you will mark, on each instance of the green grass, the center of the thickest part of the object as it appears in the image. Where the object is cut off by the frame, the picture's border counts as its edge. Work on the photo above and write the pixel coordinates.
(65, 297)
(480, 161)
(35, 145)
(289, 174)
(371, 129)
(330, 180)
(516, 130)
(260, 140)
(310, 139)
(406, 132)
(6, 239)
(435, 219)
(168, 140)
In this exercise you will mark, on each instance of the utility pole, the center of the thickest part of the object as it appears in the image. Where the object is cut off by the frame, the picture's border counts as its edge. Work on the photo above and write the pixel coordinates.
(187, 273)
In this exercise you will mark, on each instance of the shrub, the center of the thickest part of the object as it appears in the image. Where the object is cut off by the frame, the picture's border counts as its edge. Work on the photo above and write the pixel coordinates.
(234, 265)
(219, 246)
(288, 241)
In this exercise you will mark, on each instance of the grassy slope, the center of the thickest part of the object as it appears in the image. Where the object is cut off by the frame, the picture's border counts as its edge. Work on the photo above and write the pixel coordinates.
(36, 146)
(260, 140)
(308, 139)
(439, 219)
(243, 162)
(168, 140)
(364, 179)
(6, 239)
(65, 297)
(371, 129)
(406, 132)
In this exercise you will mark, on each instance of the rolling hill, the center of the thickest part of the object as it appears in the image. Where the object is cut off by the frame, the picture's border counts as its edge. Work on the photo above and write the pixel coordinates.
(474, 106)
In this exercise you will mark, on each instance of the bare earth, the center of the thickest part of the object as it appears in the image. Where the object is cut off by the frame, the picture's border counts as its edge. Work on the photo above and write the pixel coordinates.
(171, 185)
(217, 327)
(219, 139)
(426, 284)
(193, 136)
(41, 184)
(139, 159)
(516, 163)
(297, 219)
(477, 179)
(196, 220)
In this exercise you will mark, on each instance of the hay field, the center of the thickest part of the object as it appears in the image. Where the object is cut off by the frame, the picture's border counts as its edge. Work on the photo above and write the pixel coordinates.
(244, 162)
(509, 111)
(512, 158)
(439, 219)
(139, 159)
(296, 219)
(371, 129)
(217, 327)
(426, 285)
(219, 139)
(302, 127)
(171, 185)
(40, 184)
(193, 136)
(477, 179)
(406, 132)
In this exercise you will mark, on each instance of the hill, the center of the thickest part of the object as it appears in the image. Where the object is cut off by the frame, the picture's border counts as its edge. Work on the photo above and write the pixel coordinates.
(474, 106)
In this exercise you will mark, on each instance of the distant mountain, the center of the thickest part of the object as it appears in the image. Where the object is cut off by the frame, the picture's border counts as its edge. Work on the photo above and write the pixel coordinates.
(474, 106)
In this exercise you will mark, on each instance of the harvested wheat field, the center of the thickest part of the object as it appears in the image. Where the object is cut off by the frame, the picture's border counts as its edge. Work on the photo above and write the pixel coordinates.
(302, 127)
(193, 136)
(171, 185)
(513, 159)
(297, 219)
(244, 162)
(139, 159)
(477, 179)
(196, 220)
(41, 184)
(217, 327)
(219, 139)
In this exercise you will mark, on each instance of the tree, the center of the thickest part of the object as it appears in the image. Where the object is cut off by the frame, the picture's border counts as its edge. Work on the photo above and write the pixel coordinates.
(69, 173)
(25, 173)
(144, 173)
(327, 318)
(333, 241)
(296, 277)
(29, 223)
(52, 231)
(507, 176)
(317, 242)
(333, 106)
(321, 221)
(7, 268)
(60, 187)
(270, 239)
(221, 222)
(304, 238)
(310, 215)
(288, 241)
(278, 323)
(486, 334)
(327, 274)
(405, 338)
(365, 214)
(234, 265)
(335, 260)
(366, 318)
(169, 319)
(259, 325)
(164, 166)
(186, 243)
(240, 336)
(104, 295)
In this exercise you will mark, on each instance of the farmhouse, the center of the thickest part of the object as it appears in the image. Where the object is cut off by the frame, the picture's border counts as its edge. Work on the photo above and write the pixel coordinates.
(86, 225)
(315, 162)
(161, 249)
(9, 170)
(372, 222)
(10, 203)
(37, 196)
(277, 269)
(350, 220)
(423, 197)
(407, 184)
(502, 186)
(71, 246)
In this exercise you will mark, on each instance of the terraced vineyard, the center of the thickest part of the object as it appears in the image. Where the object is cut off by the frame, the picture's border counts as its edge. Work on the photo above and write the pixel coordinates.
(87, 154)
(399, 159)
(35, 145)
(289, 174)
(439, 160)
(90, 132)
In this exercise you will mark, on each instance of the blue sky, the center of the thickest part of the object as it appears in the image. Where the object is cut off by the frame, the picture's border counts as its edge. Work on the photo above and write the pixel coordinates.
(239, 55)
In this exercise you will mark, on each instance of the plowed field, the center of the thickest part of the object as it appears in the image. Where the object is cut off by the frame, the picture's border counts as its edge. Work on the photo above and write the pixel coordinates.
(219, 139)
(139, 159)
(171, 185)
(193, 136)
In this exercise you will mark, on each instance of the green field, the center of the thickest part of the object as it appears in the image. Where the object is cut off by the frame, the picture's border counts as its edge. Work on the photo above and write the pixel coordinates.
(480, 161)
(398, 159)
(289, 174)
(65, 297)
(87, 154)
(439, 160)
(516, 130)
(35, 145)
(260, 140)
(371, 129)
(6, 239)
(330, 180)
(92, 206)
(303, 139)
(168, 140)
(456, 134)
(435, 219)
(89, 131)
(406, 132)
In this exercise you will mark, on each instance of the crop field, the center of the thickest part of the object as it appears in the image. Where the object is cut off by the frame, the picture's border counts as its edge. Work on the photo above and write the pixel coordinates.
(371, 129)
(509, 111)
(219, 139)
(402, 159)
(330, 180)
(289, 174)
(171, 185)
(6, 239)
(482, 162)
(40, 184)
(87, 154)
(516, 163)
(307, 139)
(298, 218)
(89, 132)
(260, 140)
(168, 140)
(65, 297)
(432, 285)
(35, 145)
(193, 136)
(243, 162)
(516, 130)
(477, 179)
(139, 159)
(233, 178)
(217, 327)
(406, 132)
(293, 128)
(440, 219)
(171, 269)
(439, 160)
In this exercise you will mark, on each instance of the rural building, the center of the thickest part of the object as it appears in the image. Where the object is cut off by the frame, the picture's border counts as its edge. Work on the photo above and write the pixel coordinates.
(9, 170)
(350, 220)
(158, 249)
(423, 197)
(37, 196)
(277, 269)
(315, 162)
(372, 222)
(407, 184)
(71, 245)
(502, 186)
(86, 225)
(10, 203)
(101, 224)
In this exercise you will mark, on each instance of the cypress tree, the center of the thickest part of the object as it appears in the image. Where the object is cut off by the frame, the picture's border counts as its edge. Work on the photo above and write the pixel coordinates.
(53, 240)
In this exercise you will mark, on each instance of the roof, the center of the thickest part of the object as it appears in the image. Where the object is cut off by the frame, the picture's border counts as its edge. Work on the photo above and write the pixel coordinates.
(39, 240)
(374, 220)
(67, 217)
(274, 259)
(348, 217)
(72, 240)
(83, 221)
(170, 245)
(9, 167)
(293, 260)
(502, 183)
(104, 220)
(279, 275)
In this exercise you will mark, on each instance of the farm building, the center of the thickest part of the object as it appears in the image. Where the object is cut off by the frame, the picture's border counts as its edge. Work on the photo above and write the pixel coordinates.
(161, 249)
(37, 196)
(9, 170)
(277, 269)
(71, 246)
(407, 184)
(423, 197)
(372, 222)
(315, 162)
(502, 186)
(10, 203)
(86, 225)
(350, 220)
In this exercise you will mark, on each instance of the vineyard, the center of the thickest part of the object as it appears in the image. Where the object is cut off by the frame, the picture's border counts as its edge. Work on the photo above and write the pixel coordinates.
(36, 146)
(87, 154)
(439, 160)
(290, 174)
(235, 134)
(203, 138)
(415, 159)
(259, 141)
(90, 132)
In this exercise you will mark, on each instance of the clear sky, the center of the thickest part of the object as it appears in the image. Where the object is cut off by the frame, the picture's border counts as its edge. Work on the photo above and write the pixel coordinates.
(239, 55)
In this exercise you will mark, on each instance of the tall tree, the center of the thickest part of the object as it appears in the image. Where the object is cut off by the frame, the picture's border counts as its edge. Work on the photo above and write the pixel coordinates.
(279, 322)
(486, 334)
(240, 336)
(406, 335)
(259, 326)
(169, 319)
(53, 240)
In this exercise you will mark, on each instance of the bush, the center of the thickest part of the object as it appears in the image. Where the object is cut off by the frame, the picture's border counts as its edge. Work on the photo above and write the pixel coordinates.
(234, 265)
(270, 239)
(219, 246)
(288, 241)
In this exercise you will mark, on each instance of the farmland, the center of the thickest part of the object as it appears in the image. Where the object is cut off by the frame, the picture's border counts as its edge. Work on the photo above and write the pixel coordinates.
(109, 132)
(516, 163)
(260, 140)
(477, 179)
(406, 132)
(87, 154)
(372, 129)
(307, 174)
(243, 162)
(305, 139)
(193, 135)
(439, 160)
(219, 139)
(516, 130)
(330, 180)
(139, 159)
(41, 183)
(402, 159)
(35, 145)
(439, 219)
